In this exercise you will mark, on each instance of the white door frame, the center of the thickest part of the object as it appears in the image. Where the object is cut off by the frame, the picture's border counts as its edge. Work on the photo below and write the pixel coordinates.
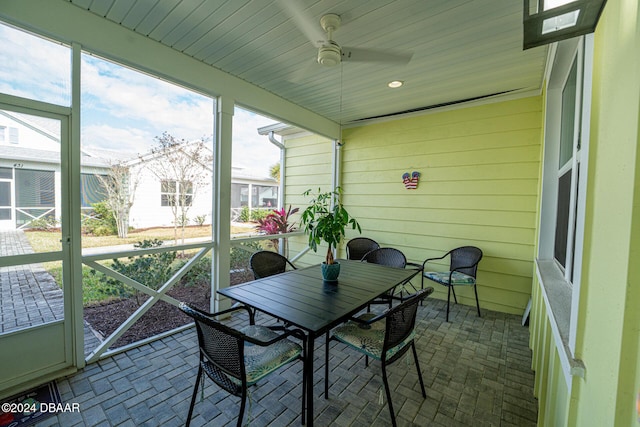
(44, 351)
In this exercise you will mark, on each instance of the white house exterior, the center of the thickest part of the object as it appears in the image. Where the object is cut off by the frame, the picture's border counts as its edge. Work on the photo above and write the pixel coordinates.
(30, 171)
(30, 180)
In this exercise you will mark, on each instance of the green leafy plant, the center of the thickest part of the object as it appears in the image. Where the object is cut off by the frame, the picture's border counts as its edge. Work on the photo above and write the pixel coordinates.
(103, 222)
(199, 220)
(325, 220)
(45, 223)
(245, 215)
(151, 270)
(258, 214)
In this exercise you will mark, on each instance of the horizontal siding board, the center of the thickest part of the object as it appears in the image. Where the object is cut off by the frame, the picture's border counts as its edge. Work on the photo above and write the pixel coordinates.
(455, 202)
(479, 186)
(428, 188)
(418, 145)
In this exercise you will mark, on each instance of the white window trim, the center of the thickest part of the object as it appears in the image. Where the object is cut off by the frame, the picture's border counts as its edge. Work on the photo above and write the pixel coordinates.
(558, 293)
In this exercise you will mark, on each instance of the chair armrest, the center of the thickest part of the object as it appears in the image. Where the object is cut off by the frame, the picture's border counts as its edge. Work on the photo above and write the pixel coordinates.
(415, 265)
(433, 259)
(219, 313)
(297, 333)
(369, 321)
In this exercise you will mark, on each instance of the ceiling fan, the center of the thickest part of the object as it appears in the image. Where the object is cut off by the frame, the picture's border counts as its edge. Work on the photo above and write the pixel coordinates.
(330, 53)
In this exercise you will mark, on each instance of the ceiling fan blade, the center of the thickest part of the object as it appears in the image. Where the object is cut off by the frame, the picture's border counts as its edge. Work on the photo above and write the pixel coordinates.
(304, 21)
(355, 54)
(305, 71)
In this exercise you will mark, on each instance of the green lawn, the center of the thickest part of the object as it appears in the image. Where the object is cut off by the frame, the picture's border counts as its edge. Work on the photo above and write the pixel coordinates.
(93, 289)
(49, 241)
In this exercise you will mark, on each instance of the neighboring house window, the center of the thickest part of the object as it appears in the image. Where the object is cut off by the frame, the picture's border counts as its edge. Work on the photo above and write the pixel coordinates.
(6, 176)
(174, 193)
(13, 135)
(2, 132)
(91, 190)
(34, 195)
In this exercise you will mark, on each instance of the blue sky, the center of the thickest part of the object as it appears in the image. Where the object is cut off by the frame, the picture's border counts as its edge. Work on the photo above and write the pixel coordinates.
(123, 109)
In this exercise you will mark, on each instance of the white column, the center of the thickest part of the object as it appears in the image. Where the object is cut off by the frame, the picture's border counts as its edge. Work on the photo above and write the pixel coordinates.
(222, 146)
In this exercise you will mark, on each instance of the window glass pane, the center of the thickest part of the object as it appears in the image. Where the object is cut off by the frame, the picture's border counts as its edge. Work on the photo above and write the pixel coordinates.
(562, 219)
(6, 173)
(168, 186)
(5, 194)
(568, 116)
(38, 69)
(135, 128)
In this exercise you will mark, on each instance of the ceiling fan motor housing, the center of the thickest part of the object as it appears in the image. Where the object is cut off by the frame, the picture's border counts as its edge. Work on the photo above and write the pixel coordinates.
(330, 54)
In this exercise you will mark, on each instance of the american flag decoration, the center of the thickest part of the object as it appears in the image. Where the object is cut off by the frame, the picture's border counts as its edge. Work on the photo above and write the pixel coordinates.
(410, 181)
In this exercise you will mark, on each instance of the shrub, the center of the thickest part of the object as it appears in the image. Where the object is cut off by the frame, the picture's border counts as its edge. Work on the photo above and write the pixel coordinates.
(103, 223)
(45, 223)
(258, 214)
(151, 270)
(245, 215)
(200, 219)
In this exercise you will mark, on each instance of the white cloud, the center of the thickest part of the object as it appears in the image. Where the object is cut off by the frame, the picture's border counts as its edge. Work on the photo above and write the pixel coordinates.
(108, 137)
(37, 69)
(124, 109)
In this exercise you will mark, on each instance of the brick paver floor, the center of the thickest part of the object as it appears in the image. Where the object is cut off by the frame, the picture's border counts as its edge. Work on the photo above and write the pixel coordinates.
(476, 372)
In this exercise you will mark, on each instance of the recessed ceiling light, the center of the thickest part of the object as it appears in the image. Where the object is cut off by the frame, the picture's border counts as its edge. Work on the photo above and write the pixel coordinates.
(394, 84)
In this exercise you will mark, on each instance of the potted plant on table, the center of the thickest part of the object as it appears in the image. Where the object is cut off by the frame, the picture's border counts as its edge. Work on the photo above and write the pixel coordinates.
(325, 220)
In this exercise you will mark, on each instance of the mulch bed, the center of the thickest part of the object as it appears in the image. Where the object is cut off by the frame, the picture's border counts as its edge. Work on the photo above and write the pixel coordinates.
(106, 318)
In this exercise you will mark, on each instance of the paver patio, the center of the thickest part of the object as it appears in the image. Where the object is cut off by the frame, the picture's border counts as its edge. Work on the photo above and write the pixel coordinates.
(477, 372)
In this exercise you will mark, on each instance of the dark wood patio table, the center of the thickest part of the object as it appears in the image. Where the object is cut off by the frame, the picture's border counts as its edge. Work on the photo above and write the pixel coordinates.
(301, 298)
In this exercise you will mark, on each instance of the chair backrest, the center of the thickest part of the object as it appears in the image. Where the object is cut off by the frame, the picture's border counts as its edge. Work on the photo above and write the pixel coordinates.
(359, 246)
(401, 319)
(390, 257)
(465, 256)
(267, 263)
(219, 344)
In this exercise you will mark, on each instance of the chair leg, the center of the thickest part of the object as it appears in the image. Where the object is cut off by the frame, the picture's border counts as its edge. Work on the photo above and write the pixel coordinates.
(415, 357)
(448, 301)
(242, 406)
(304, 388)
(388, 392)
(195, 393)
(453, 290)
(326, 366)
(475, 289)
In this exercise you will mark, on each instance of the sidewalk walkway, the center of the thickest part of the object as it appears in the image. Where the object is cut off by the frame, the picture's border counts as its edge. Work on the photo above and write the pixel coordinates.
(29, 295)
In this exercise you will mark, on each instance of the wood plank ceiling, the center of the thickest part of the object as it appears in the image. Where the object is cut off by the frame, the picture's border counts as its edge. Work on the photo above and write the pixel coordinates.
(462, 49)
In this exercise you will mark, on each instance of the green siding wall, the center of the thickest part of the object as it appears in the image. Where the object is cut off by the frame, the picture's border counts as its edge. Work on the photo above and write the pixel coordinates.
(479, 186)
(607, 338)
(550, 386)
(308, 165)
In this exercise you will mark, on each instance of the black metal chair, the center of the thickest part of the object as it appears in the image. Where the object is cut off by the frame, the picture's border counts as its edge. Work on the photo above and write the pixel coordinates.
(385, 337)
(267, 263)
(463, 268)
(389, 257)
(237, 359)
(359, 246)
